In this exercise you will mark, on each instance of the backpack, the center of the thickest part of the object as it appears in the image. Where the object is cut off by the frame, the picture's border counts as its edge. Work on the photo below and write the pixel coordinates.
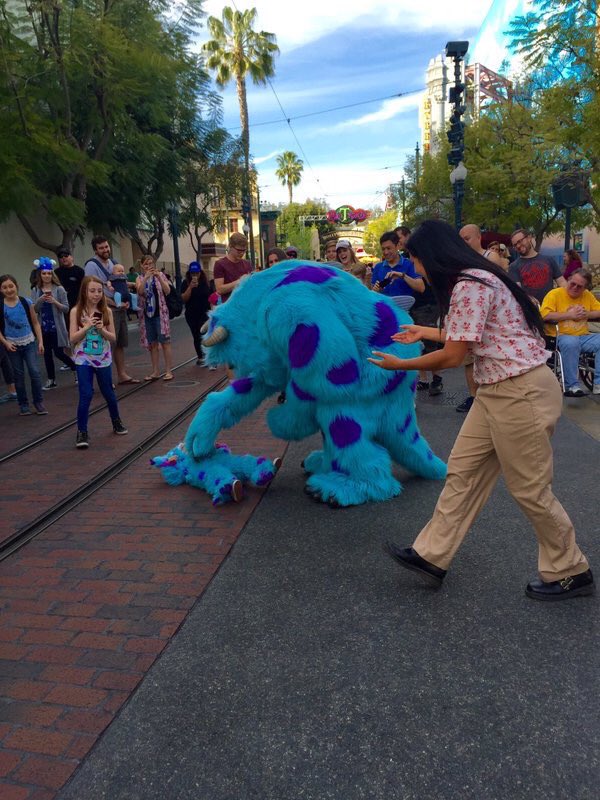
(25, 305)
(174, 302)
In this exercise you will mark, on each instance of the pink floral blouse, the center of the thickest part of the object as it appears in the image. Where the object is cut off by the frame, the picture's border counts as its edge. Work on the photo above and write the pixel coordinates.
(492, 322)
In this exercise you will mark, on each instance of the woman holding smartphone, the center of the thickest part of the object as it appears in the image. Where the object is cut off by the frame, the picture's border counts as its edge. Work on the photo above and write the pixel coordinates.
(195, 293)
(51, 304)
(92, 333)
(155, 328)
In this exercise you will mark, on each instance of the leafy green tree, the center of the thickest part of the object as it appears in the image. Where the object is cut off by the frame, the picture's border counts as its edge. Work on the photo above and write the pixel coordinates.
(213, 183)
(91, 91)
(290, 169)
(235, 51)
(291, 230)
(375, 228)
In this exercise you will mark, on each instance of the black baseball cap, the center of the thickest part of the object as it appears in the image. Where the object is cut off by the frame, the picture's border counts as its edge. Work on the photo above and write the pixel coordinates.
(63, 251)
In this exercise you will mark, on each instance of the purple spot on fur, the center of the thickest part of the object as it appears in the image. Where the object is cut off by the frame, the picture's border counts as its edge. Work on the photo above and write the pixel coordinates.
(344, 431)
(261, 460)
(347, 373)
(300, 394)
(186, 471)
(335, 466)
(413, 385)
(429, 455)
(405, 424)
(416, 437)
(218, 481)
(387, 326)
(242, 385)
(226, 489)
(303, 344)
(264, 478)
(308, 275)
(201, 476)
(394, 382)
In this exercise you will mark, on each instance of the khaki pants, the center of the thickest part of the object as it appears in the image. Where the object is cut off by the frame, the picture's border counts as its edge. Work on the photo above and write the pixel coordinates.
(507, 430)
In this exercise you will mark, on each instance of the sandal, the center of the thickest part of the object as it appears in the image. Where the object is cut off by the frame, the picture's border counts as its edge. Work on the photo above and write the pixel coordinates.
(152, 377)
(169, 376)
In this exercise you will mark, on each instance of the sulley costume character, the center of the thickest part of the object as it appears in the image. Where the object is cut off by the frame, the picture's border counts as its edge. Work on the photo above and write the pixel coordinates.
(308, 329)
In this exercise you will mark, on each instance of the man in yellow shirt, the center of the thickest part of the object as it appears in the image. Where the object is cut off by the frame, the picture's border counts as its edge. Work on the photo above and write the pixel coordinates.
(570, 308)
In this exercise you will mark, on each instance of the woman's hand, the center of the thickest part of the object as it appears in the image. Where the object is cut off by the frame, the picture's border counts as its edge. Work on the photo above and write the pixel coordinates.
(11, 347)
(41, 348)
(387, 361)
(408, 334)
(392, 275)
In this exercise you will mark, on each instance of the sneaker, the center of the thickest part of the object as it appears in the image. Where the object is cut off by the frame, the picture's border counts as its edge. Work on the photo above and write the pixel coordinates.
(571, 586)
(574, 391)
(5, 398)
(40, 409)
(199, 362)
(82, 439)
(118, 427)
(596, 389)
(65, 368)
(422, 386)
(24, 411)
(49, 385)
(436, 386)
(212, 367)
(465, 406)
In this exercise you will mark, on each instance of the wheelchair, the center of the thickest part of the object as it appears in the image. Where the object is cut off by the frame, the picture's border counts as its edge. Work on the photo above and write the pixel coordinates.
(586, 364)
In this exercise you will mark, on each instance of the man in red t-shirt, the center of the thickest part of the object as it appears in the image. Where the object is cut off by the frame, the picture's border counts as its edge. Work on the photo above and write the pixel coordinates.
(231, 269)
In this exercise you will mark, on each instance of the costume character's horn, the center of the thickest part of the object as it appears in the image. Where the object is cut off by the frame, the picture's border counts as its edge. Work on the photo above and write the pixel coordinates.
(218, 335)
(204, 328)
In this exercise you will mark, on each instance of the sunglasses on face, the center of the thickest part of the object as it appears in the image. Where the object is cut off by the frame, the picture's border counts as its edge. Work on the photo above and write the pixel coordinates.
(574, 285)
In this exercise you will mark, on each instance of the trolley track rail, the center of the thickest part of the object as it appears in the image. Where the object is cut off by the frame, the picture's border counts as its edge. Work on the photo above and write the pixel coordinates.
(34, 528)
(24, 448)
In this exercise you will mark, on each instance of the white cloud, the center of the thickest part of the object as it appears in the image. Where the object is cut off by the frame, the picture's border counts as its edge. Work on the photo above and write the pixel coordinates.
(356, 183)
(299, 23)
(388, 110)
(262, 159)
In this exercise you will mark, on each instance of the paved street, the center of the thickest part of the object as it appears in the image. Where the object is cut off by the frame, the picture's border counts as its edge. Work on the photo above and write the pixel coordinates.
(313, 667)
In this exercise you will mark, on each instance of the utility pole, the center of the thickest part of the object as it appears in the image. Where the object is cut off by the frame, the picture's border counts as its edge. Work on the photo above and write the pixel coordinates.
(456, 135)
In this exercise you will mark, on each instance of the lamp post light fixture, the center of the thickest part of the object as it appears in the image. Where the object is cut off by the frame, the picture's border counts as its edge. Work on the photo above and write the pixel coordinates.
(456, 134)
(458, 176)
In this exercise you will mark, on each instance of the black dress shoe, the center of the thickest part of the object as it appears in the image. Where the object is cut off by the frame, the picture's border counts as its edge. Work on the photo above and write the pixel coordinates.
(407, 557)
(571, 586)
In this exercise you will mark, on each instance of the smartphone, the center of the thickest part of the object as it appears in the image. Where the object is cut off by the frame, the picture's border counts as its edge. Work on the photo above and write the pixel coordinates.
(97, 316)
(385, 282)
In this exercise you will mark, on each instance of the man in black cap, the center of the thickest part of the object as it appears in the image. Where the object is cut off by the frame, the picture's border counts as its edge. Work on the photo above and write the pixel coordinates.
(69, 275)
(291, 251)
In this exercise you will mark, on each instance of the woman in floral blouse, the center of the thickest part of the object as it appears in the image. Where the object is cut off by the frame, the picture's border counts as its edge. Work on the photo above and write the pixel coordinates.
(509, 426)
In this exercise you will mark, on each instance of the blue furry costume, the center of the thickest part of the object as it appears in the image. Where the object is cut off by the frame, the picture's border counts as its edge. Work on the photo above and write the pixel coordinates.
(308, 330)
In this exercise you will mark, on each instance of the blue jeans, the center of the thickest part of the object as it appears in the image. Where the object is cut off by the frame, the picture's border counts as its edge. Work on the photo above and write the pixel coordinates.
(26, 355)
(85, 381)
(570, 347)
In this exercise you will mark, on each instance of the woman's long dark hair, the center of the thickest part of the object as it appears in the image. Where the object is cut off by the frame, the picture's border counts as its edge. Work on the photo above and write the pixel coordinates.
(445, 257)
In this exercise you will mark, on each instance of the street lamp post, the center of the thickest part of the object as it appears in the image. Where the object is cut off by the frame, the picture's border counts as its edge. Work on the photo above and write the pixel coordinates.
(456, 135)
(458, 177)
(174, 214)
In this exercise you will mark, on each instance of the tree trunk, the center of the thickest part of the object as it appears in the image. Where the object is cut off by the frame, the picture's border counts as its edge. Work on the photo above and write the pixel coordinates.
(241, 92)
(290, 191)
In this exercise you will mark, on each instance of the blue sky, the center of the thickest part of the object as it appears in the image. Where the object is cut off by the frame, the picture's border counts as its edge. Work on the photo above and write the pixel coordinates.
(336, 53)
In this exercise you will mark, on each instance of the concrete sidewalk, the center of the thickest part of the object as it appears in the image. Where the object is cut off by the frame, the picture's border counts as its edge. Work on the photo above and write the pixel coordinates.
(314, 668)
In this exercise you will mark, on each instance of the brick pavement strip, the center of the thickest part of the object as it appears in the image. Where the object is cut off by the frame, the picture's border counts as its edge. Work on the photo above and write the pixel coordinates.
(89, 605)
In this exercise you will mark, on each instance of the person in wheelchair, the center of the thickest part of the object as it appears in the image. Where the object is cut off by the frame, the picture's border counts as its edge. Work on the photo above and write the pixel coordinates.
(570, 308)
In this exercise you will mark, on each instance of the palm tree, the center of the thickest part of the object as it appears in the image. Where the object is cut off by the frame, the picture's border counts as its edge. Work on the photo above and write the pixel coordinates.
(290, 170)
(236, 50)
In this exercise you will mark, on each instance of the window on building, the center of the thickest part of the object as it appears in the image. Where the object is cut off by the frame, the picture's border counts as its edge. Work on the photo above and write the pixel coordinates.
(233, 224)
